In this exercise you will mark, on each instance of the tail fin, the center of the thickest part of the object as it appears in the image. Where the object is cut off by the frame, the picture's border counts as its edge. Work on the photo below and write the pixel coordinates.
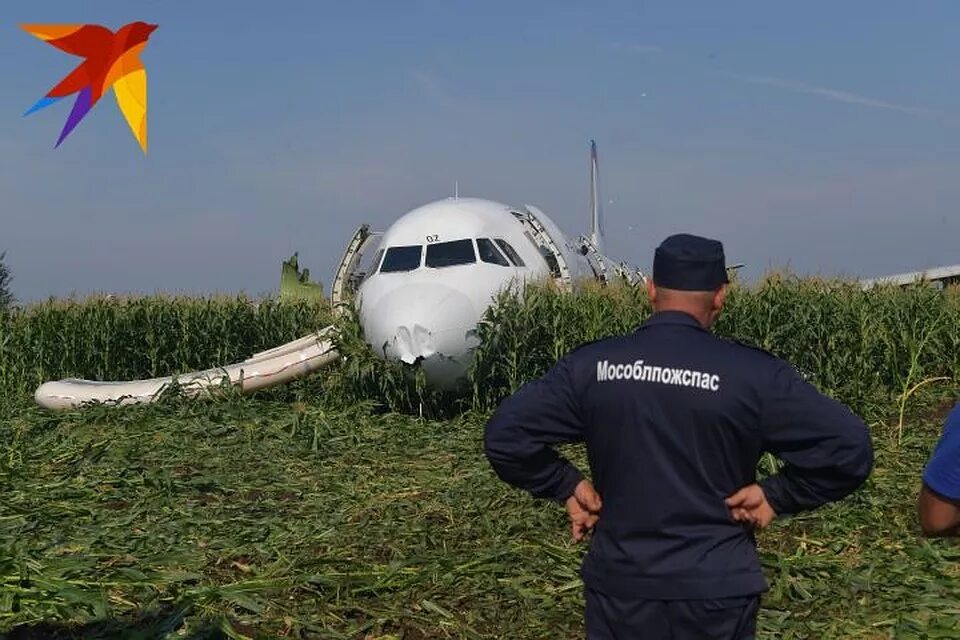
(596, 210)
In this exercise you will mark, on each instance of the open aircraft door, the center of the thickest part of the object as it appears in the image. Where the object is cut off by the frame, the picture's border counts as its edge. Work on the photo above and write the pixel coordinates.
(353, 268)
(549, 247)
(602, 266)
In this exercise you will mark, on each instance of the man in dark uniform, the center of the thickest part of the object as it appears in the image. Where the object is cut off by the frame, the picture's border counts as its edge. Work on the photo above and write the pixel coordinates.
(674, 421)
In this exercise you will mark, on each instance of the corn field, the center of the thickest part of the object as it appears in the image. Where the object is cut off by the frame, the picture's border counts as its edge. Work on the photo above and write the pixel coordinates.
(124, 339)
(358, 504)
(865, 348)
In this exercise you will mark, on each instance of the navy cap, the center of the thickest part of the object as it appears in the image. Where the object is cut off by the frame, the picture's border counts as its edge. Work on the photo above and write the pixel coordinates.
(689, 263)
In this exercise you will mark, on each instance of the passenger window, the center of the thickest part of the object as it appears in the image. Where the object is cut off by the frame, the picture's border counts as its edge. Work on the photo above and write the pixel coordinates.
(448, 254)
(511, 253)
(489, 253)
(401, 259)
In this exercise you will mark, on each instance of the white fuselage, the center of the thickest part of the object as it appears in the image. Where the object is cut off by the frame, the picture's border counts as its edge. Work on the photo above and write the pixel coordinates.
(436, 272)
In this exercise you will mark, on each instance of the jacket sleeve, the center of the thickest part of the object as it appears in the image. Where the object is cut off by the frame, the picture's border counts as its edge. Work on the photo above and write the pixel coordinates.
(942, 473)
(826, 448)
(518, 438)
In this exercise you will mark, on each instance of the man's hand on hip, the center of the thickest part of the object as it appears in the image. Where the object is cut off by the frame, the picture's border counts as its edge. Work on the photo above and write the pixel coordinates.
(749, 506)
(584, 509)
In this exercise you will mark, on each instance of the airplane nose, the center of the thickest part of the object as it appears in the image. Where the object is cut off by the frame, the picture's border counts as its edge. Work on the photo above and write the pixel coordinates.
(413, 341)
(427, 322)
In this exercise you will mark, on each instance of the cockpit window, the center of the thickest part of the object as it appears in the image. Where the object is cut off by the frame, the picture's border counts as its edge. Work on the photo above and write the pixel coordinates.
(511, 253)
(448, 254)
(375, 263)
(489, 252)
(401, 259)
(372, 267)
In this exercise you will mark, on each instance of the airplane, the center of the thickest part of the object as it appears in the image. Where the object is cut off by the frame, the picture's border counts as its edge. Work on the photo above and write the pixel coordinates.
(437, 269)
(943, 276)
(420, 294)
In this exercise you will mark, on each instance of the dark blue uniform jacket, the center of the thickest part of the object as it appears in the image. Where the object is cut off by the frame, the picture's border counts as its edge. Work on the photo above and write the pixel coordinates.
(674, 421)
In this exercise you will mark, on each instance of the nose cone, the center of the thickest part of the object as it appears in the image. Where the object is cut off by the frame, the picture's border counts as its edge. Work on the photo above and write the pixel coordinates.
(430, 323)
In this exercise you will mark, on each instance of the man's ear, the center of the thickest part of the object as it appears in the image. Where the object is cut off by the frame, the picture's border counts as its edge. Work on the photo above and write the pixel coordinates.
(651, 291)
(720, 297)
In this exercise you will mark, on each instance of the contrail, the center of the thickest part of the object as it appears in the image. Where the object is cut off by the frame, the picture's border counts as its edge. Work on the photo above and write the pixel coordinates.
(839, 95)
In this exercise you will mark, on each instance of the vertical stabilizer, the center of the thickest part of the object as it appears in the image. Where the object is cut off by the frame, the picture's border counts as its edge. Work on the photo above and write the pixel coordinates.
(596, 210)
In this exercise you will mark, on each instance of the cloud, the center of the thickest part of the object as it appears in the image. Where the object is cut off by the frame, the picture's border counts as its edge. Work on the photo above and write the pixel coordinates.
(838, 95)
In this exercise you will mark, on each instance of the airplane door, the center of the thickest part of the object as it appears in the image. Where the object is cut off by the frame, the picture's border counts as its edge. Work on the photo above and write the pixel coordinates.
(349, 273)
(552, 253)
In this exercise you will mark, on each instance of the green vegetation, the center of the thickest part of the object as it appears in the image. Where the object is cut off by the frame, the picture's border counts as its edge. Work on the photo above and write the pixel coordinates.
(332, 509)
(866, 348)
(6, 297)
(109, 338)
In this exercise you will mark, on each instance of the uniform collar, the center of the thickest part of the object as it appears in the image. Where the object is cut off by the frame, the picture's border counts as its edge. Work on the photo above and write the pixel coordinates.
(673, 317)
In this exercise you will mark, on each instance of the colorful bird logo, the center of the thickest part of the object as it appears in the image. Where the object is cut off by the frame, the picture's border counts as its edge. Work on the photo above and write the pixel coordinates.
(110, 60)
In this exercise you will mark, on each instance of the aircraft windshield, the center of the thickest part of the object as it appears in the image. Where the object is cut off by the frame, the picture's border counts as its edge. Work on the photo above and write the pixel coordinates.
(511, 252)
(448, 254)
(401, 259)
(372, 267)
(489, 253)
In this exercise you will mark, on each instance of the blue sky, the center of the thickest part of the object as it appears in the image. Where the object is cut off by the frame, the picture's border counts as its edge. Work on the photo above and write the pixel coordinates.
(824, 137)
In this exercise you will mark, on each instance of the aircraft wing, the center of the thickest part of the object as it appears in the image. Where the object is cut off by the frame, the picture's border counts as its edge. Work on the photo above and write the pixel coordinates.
(945, 275)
